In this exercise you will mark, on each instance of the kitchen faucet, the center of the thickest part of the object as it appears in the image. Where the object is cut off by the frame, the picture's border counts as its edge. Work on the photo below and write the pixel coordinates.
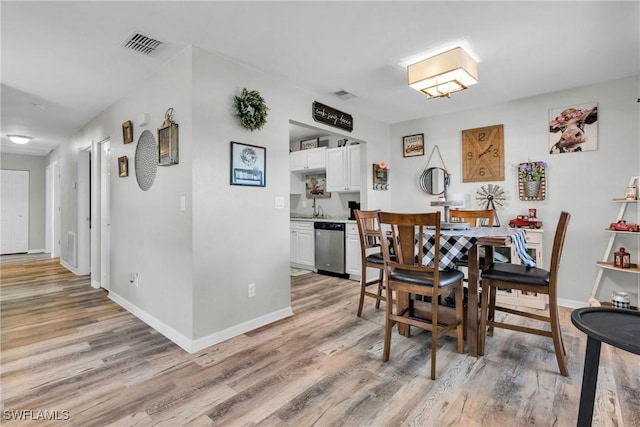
(317, 211)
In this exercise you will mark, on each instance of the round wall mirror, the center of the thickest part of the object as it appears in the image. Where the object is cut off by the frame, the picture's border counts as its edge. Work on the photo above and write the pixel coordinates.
(434, 180)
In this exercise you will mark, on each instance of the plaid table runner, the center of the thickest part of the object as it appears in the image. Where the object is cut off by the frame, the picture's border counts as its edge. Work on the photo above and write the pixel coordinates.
(454, 244)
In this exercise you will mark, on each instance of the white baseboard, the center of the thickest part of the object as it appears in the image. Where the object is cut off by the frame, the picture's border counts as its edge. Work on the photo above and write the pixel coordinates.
(69, 267)
(218, 337)
(95, 284)
(563, 302)
(192, 346)
(36, 251)
(155, 323)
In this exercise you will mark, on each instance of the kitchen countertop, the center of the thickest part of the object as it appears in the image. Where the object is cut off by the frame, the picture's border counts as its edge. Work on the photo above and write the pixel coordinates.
(327, 218)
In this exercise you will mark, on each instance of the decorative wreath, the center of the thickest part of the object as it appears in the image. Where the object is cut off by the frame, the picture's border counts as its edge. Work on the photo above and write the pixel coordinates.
(251, 109)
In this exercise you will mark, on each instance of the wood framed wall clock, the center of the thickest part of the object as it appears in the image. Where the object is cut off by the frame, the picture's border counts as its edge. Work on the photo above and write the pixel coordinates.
(483, 154)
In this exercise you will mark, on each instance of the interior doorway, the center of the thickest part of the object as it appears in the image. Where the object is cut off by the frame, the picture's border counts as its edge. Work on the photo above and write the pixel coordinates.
(104, 200)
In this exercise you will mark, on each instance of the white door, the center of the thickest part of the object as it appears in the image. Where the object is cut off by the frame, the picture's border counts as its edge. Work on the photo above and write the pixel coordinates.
(105, 216)
(56, 232)
(14, 213)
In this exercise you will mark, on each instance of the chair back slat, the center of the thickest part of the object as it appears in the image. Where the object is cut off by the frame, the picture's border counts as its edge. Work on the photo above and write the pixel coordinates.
(368, 229)
(558, 245)
(408, 240)
(475, 217)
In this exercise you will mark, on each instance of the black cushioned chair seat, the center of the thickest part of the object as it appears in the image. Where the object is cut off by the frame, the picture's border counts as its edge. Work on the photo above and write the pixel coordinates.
(447, 277)
(378, 258)
(516, 273)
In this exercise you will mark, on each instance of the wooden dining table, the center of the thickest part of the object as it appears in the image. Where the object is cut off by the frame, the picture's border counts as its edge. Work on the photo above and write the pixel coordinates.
(454, 244)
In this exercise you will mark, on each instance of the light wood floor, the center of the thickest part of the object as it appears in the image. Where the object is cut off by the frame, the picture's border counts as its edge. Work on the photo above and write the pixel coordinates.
(67, 347)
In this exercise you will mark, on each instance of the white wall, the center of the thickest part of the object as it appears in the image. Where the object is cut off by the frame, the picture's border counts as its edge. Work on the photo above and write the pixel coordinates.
(195, 265)
(149, 233)
(36, 165)
(581, 183)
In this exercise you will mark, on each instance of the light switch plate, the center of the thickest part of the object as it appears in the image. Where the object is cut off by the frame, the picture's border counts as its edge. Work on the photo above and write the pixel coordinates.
(279, 202)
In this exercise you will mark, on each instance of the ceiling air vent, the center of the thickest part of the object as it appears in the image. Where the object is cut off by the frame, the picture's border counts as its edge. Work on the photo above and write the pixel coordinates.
(344, 95)
(140, 43)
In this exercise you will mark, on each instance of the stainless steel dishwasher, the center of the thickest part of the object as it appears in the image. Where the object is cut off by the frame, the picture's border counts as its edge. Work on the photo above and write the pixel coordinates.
(329, 246)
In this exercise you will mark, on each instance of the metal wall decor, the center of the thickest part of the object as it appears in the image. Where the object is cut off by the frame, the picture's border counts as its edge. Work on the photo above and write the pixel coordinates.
(168, 141)
(380, 176)
(532, 189)
(146, 161)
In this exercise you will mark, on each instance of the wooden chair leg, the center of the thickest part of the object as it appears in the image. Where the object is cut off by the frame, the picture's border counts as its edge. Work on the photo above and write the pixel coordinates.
(492, 308)
(380, 277)
(482, 329)
(460, 316)
(388, 325)
(556, 334)
(434, 332)
(363, 288)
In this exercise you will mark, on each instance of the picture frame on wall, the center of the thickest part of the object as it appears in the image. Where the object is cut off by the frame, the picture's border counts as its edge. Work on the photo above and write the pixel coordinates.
(123, 166)
(127, 132)
(413, 145)
(248, 165)
(307, 144)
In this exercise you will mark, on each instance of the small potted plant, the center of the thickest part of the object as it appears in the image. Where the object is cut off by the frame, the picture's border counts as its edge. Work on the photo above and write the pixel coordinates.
(531, 174)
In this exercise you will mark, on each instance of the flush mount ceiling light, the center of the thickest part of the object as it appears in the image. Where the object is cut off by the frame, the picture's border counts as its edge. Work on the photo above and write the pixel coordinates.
(19, 139)
(443, 74)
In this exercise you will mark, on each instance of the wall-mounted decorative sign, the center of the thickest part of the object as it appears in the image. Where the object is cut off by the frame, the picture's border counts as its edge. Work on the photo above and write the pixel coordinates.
(332, 117)
(573, 129)
(168, 141)
(127, 132)
(316, 186)
(413, 145)
(248, 165)
(251, 109)
(306, 144)
(123, 166)
(381, 176)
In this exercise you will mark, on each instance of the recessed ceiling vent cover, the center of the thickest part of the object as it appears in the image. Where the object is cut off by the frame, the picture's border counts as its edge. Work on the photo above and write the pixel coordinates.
(343, 94)
(140, 43)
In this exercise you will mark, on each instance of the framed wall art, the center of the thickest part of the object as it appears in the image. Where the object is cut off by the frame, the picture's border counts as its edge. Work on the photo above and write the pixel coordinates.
(123, 166)
(127, 132)
(306, 144)
(316, 186)
(248, 165)
(413, 145)
(573, 129)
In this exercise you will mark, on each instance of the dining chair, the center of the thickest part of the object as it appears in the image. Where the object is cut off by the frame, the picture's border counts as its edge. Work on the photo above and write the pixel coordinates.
(476, 217)
(371, 256)
(526, 279)
(407, 275)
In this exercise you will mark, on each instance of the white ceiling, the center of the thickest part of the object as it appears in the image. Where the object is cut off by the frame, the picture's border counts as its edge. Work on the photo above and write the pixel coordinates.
(66, 56)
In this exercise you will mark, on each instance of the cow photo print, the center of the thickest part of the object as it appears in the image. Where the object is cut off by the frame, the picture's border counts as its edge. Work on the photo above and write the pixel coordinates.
(573, 129)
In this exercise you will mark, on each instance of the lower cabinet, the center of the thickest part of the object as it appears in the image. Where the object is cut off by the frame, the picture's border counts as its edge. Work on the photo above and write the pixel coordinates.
(302, 239)
(353, 261)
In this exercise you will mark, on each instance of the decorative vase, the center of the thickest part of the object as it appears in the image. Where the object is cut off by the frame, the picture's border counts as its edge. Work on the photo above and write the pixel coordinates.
(532, 188)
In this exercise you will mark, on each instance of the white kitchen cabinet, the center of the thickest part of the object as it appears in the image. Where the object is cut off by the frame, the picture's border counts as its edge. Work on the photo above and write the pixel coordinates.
(296, 183)
(302, 244)
(343, 169)
(353, 258)
(314, 159)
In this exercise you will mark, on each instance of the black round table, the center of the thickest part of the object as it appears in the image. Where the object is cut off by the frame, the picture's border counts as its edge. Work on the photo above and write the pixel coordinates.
(617, 327)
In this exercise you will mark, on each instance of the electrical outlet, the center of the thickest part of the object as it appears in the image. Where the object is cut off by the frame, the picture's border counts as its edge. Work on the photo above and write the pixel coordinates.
(134, 279)
(251, 290)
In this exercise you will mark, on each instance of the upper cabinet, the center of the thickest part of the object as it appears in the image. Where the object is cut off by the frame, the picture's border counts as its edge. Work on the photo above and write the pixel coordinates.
(313, 159)
(343, 169)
